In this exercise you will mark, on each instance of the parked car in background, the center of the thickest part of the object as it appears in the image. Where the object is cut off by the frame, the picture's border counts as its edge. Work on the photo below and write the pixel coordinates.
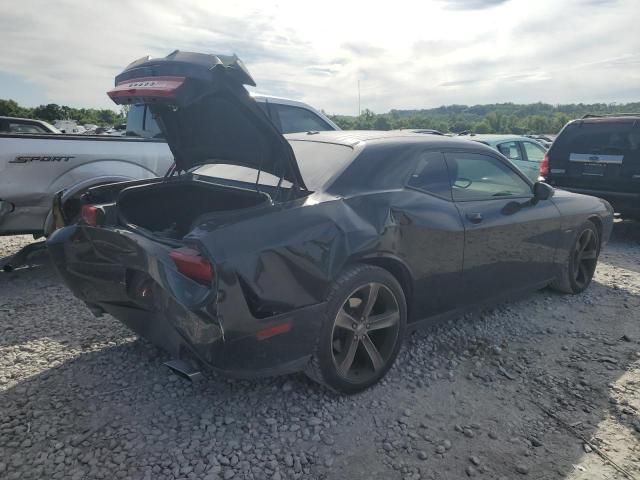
(33, 167)
(544, 140)
(287, 115)
(16, 125)
(311, 252)
(525, 153)
(69, 126)
(426, 131)
(599, 155)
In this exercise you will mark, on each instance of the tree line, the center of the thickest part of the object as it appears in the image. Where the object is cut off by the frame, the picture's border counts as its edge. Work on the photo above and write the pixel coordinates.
(52, 112)
(534, 118)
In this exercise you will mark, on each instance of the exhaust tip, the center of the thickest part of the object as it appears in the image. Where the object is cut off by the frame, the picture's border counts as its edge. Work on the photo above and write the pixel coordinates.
(185, 370)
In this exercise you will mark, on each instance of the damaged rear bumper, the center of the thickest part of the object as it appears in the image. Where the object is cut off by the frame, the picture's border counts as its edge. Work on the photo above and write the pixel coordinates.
(132, 278)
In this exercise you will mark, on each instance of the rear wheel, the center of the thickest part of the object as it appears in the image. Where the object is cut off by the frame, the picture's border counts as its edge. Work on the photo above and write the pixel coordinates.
(363, 329)
(577, 273)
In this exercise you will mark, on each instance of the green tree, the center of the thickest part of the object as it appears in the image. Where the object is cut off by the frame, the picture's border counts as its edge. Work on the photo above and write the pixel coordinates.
(481, 127)
(10, 108)
(49, 112)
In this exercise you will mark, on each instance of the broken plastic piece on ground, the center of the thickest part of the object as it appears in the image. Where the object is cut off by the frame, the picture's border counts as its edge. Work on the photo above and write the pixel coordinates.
(20, 258)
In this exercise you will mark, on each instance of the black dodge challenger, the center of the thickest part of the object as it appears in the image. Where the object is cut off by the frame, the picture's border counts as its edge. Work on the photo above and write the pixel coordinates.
(262, 254)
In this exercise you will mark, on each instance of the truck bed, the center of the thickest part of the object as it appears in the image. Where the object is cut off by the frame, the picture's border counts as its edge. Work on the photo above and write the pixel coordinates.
(33, 167)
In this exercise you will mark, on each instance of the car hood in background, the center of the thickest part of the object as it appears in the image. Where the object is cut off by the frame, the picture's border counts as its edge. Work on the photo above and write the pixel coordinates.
(206, 114)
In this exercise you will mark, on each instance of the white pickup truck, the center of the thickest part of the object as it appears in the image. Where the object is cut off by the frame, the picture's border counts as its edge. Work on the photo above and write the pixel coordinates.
(34, 167)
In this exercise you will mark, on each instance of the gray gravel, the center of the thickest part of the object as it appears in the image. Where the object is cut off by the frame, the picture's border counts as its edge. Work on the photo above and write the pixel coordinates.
(480, 396)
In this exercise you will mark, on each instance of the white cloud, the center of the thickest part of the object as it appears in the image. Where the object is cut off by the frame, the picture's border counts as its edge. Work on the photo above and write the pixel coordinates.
(407, 54)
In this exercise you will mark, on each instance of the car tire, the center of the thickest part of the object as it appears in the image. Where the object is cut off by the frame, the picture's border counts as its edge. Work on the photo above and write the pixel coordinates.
(578, 269)
(362, 330)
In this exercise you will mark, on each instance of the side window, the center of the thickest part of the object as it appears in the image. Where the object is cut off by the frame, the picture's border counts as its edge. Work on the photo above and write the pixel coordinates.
(25, 128)
(151, 128)
(481, 177)
(431, 175)
(296, 119)
(510, 150)
(535, 153)
(135, 121)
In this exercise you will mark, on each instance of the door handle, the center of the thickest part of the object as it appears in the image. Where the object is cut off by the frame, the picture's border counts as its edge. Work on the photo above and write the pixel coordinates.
(475, 217)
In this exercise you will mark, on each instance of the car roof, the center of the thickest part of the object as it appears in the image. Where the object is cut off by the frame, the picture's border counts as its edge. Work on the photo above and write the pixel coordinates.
(498, 138)
(630, 118)
(22, 119)
(355, 137)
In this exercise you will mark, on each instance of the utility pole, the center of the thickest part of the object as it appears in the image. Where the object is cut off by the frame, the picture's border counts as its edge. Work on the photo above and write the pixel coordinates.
(358, 97)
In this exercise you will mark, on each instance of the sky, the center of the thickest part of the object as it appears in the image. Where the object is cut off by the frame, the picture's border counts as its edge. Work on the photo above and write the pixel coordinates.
(405, 54)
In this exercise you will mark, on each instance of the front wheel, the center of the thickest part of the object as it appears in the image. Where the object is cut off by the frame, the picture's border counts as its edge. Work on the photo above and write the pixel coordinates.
(362, 331)
(577, 272)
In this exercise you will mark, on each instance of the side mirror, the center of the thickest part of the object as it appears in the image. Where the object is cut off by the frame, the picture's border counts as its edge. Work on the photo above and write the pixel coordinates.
(542, 191)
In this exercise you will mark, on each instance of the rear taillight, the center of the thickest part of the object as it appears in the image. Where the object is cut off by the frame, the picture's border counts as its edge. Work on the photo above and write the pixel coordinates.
(146, 90)
(89, 214)
(544, 166)
(191, 264)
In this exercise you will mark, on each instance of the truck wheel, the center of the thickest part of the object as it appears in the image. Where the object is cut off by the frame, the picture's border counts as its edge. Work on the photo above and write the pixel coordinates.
(578, 269)
(362, 332)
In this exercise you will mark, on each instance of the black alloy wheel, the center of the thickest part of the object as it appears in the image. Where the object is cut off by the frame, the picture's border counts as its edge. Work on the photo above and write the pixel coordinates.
(576, 273)
(362, 332)
(365, 331)
(585, 258)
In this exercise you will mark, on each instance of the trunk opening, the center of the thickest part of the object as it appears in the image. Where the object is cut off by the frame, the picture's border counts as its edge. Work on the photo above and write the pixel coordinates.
(172, 209)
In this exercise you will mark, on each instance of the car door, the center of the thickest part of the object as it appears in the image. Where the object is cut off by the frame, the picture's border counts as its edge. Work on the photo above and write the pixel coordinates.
(432, 236)
(510, 237)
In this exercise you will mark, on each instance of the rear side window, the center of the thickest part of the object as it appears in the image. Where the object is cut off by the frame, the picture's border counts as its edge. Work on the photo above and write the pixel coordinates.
(510, 150)
(25, 128)
(151, 128)
(140, 123)
(431, 175)
(135, 121)
(296, 119)
(616, 140)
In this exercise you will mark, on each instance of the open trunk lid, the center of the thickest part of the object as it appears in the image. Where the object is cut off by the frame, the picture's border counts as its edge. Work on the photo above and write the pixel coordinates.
(206, 114)
(598, 153)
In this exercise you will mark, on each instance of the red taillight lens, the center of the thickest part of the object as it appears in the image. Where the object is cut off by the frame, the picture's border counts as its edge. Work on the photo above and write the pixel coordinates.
(544, 166)
(147, 89)
(89, 215)
(191, 264)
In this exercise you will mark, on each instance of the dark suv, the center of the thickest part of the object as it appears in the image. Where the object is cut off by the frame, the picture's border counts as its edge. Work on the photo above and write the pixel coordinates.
(600, 156)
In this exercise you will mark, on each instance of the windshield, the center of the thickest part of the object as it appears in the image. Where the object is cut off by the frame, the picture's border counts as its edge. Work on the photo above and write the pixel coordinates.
(319, 163)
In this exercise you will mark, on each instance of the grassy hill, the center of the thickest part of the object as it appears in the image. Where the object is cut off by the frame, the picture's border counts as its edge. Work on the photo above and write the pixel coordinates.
(490, 118)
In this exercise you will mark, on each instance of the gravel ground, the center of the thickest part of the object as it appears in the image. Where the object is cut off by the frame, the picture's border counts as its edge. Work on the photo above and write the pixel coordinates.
(545, 387)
